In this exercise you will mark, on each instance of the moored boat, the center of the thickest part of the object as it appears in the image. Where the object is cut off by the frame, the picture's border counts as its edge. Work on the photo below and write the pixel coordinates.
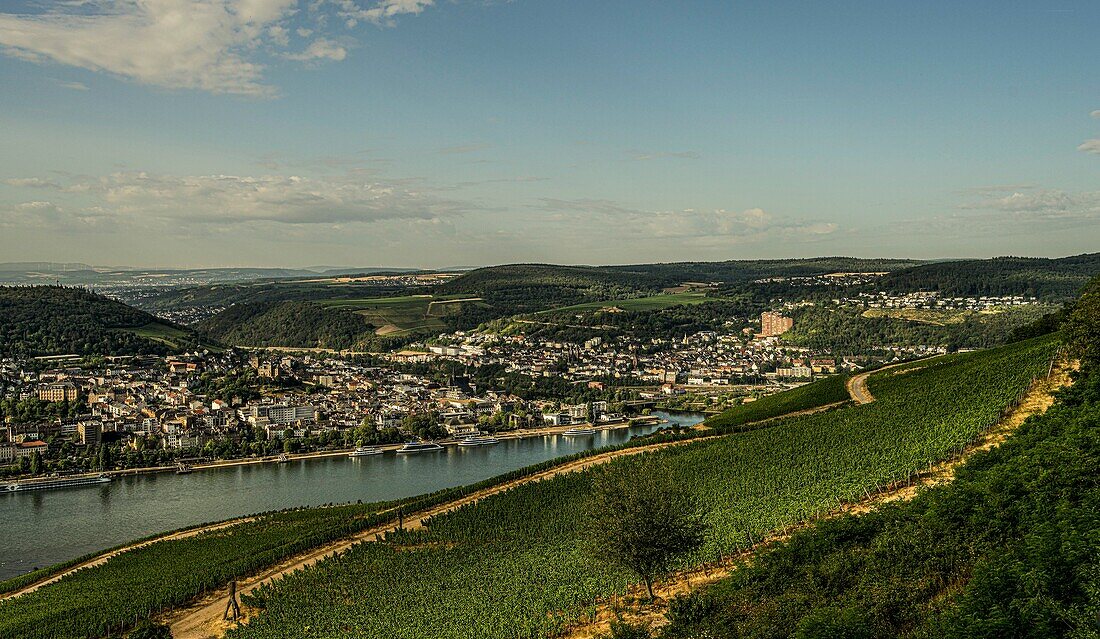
(365, 451)
(184, 469)
(476, 440)
(419, 447)
(57, 482)
(579, 432)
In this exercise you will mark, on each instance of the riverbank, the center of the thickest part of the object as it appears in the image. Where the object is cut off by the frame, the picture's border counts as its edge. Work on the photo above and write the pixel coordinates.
(344, 452)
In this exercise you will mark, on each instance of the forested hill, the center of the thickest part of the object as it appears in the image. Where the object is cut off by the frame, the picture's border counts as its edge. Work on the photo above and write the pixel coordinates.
(297, 324)
(657, 276)
(56, 320)
(1039, 277)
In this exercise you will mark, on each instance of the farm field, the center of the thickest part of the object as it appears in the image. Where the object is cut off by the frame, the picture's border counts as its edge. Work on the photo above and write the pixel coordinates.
(650, 303)
(96, 601)
(404, 314)
(517, 564)
(814, 395)
(168, 335)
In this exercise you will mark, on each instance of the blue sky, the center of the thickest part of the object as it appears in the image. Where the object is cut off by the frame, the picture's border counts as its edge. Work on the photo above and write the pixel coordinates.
(420, 133)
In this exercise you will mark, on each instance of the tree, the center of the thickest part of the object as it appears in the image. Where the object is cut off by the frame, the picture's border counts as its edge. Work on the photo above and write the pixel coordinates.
(36, 463)
(105, 461)
(1082, 327)
(640, 518)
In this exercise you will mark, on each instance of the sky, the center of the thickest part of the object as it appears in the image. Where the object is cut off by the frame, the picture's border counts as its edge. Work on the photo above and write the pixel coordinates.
(435, 133)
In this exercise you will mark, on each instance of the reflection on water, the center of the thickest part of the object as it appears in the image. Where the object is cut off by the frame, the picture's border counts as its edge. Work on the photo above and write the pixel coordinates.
(42, 528)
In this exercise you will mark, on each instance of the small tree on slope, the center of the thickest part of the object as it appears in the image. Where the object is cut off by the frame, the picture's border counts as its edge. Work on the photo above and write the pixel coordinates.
(640, 518)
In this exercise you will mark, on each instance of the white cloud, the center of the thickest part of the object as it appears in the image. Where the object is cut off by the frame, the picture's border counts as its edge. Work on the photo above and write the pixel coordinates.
(1096, 114)
(75, 86)
(380, 11)
(190, 44)
(716, 224)
(33, 182)
(210, 45)
(1041, 205)
(320, 49)
(227, 200)
(1090, 146)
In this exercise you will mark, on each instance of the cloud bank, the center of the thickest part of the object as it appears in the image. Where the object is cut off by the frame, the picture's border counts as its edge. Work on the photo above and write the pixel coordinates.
(218, 46)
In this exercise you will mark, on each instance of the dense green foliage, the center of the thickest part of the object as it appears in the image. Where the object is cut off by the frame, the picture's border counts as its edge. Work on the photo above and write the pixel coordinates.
(1009, 549)
(301, 324)
(55, 320)
(642, 519)
(1082, 325)
(830, 390)
(515, 564)
(850, 331)
(32, 409)
(1038, 277)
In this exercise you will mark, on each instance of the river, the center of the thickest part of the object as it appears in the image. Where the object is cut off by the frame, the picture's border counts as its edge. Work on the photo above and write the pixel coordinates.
(38, 529)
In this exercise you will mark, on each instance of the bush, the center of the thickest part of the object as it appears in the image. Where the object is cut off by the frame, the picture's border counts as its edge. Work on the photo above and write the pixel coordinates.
(147, 629)
(624, 630)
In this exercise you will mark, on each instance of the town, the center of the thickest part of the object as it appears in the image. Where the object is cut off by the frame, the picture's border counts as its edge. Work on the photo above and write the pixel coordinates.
(70, 414)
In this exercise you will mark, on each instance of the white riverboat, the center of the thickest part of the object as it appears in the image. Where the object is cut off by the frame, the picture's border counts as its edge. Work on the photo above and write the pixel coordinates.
(478, 440)
(579, 432)
(419, 447)
(365, 451)
(57, 482)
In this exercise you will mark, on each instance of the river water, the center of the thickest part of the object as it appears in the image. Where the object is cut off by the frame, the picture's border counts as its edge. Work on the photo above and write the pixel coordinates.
(38, 529)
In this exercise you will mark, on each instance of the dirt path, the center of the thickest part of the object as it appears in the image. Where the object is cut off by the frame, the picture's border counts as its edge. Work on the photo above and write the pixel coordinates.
(203, 619)
(857, 385)
(632, 609)
(103, 558)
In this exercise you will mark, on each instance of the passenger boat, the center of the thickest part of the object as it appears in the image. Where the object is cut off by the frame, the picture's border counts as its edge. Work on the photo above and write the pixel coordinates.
(475, 440)
(365, 451)
(57, 482)
(579, 432)
(420, 447)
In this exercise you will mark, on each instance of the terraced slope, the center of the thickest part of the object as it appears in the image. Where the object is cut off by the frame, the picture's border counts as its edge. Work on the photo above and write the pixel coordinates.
(515, 564)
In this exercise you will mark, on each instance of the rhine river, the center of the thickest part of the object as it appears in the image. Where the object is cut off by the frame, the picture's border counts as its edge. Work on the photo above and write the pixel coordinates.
(38, 529)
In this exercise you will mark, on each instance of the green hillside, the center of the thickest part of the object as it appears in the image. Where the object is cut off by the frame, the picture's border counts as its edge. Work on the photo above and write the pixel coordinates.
(53, 320)
(291, 324)
(1038, 277)
(515, 564)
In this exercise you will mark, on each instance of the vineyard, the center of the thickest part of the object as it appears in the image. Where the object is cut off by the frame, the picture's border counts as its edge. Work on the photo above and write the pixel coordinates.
(830, 390)
(517, 564)
(110, 597)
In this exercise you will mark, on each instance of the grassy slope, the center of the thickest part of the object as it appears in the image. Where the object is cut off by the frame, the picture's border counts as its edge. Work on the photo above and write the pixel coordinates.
(649, 303)
(814, 395)
(515, 565)
(1006, 550)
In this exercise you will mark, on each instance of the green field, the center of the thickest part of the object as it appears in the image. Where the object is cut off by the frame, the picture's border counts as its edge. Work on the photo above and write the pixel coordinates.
(404, 314)
(830, 390)
(516, 564)
(170, 336)
(651, 303)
